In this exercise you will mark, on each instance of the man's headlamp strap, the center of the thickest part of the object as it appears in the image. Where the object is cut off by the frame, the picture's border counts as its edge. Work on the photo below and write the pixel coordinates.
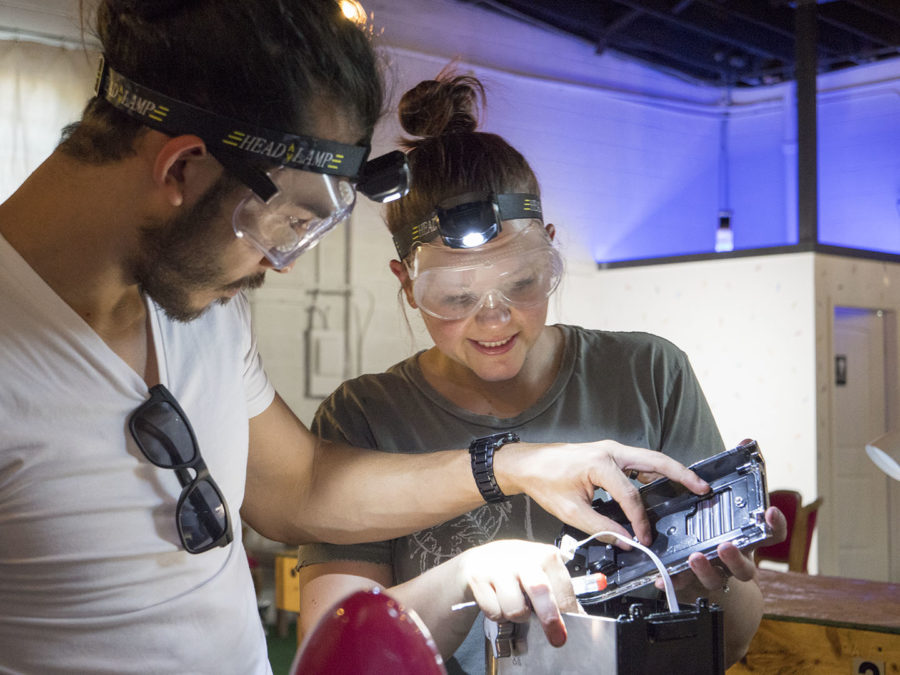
(507, 206)
(226, 136)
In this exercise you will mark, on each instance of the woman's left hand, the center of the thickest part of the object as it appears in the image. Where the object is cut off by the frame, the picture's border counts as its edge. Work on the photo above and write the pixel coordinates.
(737, 563)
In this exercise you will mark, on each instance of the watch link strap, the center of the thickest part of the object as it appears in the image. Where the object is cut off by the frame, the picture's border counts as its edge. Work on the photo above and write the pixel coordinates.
(481, 451)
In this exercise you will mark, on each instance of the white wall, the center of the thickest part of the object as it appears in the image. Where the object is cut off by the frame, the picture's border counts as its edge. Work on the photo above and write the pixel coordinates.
(758, 333)
(747, 325)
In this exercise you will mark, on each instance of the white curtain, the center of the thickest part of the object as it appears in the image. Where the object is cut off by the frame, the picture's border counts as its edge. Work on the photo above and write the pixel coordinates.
(42, 88)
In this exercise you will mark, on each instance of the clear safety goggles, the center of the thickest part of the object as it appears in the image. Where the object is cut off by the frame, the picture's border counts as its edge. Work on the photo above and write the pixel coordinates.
(306, 206)
(521, 271)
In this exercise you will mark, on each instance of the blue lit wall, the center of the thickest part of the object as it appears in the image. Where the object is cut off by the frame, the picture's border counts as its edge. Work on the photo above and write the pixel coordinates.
(642, 179)
(760, 185)
(629, 157)
(859, 170)
(859, 178)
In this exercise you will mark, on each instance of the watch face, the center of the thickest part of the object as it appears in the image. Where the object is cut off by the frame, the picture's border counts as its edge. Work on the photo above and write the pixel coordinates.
(499, 439)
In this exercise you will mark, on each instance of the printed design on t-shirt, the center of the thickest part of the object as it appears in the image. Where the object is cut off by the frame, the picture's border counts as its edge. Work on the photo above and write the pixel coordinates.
(435, 545)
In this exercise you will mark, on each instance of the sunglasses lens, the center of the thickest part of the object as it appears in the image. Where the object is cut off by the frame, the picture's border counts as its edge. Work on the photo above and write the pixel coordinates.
(202, 520)
(163, 435)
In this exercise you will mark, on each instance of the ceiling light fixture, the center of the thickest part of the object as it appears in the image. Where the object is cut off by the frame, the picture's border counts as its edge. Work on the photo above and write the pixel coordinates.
(353, 10)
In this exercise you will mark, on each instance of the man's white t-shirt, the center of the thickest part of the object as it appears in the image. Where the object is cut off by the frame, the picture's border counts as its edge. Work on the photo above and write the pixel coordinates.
(93, 577)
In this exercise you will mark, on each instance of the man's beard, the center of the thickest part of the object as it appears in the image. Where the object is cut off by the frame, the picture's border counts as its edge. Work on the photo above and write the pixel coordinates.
(182, 256)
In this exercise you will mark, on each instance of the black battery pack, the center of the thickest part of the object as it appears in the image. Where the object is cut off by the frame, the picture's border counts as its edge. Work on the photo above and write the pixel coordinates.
(626, 635)
(683, 523)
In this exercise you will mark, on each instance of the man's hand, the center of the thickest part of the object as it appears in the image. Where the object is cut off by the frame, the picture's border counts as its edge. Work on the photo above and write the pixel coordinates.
(510, 579)
(562, 477)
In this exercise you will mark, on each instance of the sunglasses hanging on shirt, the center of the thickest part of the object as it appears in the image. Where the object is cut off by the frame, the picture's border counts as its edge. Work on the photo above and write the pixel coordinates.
(162, 432)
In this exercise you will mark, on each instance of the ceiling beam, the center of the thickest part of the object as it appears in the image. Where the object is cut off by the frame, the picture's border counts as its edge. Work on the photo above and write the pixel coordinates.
(887, 9)
(675, 61)
(807, 136)
(746, 37)
(719, 42)
(609, 31)
(780, 20)
(866, 25)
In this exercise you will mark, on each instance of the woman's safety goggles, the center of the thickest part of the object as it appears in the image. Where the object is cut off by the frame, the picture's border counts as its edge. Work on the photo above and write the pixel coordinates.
(522, 272)
(306, 207)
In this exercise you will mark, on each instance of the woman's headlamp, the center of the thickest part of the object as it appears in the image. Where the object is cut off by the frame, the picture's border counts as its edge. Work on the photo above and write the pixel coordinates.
(468, 220)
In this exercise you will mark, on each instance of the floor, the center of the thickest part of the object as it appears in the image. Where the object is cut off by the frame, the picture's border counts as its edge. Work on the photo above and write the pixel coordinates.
(281, 649)
(281, 639)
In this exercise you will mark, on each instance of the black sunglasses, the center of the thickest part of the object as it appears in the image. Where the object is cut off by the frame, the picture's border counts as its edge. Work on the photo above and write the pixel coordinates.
(162, 432)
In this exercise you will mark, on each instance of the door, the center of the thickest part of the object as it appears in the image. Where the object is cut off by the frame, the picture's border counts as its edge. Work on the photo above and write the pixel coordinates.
(859, 408)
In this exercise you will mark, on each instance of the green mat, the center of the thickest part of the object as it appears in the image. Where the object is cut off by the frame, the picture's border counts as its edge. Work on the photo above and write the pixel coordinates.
(282, 649)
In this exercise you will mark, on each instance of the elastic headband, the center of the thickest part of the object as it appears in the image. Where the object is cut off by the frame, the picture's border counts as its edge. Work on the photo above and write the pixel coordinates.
(227, 137)
(477, 213)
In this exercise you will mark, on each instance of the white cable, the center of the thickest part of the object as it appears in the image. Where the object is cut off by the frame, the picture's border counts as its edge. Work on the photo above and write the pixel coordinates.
(663, 572)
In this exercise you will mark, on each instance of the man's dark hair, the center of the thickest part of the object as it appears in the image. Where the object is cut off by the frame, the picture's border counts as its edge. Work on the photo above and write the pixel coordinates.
(271, 63)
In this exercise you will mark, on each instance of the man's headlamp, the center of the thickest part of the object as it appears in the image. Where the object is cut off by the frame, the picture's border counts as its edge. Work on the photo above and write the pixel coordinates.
(242, 148)
(385, 178)
(468, 220)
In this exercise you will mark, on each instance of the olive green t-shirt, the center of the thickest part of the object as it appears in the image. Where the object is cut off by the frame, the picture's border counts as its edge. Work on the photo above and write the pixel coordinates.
(635, 388)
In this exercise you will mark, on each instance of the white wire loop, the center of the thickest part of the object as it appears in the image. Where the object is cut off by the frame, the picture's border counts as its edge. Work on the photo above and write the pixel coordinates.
(671, 599)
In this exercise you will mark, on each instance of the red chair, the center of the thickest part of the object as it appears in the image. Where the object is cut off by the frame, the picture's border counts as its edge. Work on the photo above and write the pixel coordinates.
(801, 522)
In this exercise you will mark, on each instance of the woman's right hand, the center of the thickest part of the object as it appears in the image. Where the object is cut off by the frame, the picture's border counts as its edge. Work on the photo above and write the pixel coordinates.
(509, 579)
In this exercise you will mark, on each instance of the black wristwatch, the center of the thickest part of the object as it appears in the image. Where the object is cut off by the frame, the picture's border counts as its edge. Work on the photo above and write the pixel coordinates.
(481, 451)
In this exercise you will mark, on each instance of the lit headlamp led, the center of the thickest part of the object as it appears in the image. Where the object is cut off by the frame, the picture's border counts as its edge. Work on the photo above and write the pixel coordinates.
(468, 220)
(236, 144)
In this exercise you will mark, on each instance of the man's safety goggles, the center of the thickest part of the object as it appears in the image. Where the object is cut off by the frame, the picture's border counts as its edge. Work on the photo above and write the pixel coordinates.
(522, 272)
(468, 220)
(306, 206)
(244, 150)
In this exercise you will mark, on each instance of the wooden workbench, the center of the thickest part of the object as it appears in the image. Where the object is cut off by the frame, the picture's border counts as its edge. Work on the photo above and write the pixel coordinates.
(823, 625)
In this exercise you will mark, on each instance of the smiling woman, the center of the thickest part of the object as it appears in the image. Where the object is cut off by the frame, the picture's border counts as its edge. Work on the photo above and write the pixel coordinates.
(497, 373)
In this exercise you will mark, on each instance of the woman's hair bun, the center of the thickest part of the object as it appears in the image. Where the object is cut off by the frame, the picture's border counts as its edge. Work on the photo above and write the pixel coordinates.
(445, 105)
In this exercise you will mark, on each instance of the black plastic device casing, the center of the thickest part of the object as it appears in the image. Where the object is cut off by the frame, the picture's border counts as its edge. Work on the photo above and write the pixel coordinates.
(683, 523)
